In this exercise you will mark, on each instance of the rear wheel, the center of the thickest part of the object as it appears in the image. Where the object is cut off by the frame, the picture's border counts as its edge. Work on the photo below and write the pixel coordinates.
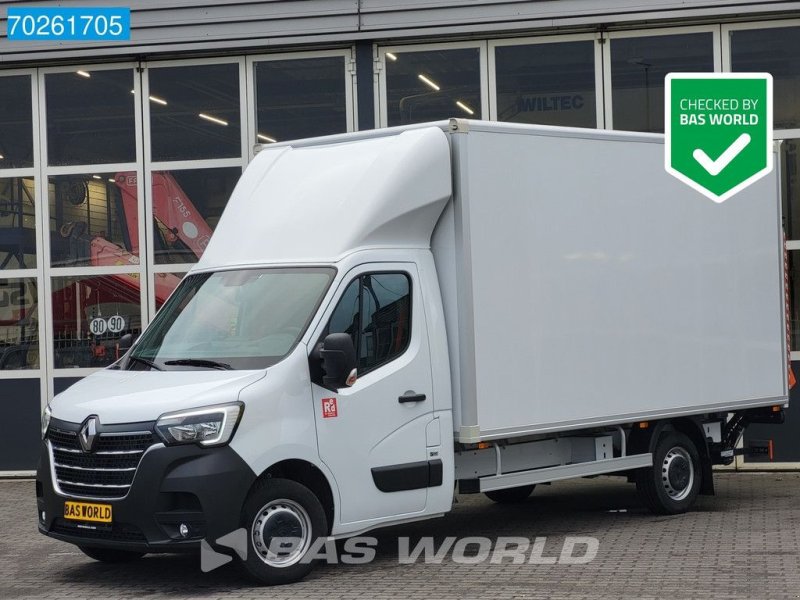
(672, 484)
(110, 555)
(511, 495)
(283, 519)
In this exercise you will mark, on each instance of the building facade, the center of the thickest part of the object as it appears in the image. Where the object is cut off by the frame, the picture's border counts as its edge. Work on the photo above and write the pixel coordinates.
(117, 159)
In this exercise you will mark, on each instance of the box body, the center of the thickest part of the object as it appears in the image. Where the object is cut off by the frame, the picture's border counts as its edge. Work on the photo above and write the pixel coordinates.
(584, 286)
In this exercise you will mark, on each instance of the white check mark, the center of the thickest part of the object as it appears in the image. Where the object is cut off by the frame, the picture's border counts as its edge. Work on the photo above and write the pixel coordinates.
(714, 167)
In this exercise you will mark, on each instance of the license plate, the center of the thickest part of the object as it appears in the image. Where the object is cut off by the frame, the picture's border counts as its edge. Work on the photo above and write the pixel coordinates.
(84, 511)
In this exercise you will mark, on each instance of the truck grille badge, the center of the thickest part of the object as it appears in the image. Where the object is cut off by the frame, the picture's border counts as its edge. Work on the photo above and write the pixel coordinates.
(88, 433)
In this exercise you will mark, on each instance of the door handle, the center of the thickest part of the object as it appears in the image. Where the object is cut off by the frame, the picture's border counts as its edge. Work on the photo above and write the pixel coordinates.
(411, 396)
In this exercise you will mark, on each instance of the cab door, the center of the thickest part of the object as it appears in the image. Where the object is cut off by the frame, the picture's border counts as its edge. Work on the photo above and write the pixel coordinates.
(372, 435)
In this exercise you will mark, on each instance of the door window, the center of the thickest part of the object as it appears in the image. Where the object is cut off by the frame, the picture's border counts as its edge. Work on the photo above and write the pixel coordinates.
(375, 310)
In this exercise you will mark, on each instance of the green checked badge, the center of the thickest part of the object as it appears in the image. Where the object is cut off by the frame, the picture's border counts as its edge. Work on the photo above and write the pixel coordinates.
(718, 130)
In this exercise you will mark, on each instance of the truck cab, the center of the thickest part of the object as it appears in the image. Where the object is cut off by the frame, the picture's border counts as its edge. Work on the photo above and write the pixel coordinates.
(226, 392)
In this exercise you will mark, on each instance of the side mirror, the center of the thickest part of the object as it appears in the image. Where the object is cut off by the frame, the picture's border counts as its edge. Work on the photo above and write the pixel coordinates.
(125, 342)
(338, 361)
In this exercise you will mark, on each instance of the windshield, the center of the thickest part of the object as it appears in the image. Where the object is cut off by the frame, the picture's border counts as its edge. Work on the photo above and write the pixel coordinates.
(244, 319)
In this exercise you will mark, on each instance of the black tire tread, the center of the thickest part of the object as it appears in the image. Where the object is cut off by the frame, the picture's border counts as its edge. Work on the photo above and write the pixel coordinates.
(263, 491)
(511, 495)
(646, 485)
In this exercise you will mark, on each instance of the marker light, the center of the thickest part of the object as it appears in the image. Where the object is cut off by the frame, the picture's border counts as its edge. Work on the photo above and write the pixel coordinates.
(46, 420)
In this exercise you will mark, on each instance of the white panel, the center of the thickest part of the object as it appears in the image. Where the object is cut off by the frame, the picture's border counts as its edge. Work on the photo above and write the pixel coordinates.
(604, 288)
(387, 191)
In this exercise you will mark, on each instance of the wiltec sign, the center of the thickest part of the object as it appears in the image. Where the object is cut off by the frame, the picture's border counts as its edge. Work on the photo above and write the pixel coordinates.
(718, 130)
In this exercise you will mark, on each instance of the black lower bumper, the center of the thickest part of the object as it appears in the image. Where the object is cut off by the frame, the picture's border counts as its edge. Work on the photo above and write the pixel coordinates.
(203, 488)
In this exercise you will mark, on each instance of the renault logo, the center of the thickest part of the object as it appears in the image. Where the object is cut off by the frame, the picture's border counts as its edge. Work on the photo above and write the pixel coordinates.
(88, 433)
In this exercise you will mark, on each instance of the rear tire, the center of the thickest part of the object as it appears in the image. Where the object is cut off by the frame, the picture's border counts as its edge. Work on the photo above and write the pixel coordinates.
(511, 495)
(672, 484)
(281, 508)
(110, 555)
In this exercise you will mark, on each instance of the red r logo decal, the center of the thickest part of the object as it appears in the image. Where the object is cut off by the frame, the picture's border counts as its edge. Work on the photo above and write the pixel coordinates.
(329, 408)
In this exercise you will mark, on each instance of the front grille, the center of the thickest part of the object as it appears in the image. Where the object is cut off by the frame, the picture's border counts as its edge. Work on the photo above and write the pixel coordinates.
(118, 532)
(107, 472)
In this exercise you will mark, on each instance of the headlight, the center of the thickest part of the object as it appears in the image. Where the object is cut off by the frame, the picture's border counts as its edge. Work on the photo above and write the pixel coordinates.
(207, 426)
(46, 420)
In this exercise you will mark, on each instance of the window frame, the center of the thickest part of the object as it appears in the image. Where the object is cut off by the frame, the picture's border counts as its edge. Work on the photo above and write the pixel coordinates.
(608, 91)
(727, 29)
(335, 305)
(596, 38)
(381, 97)
(778, 135)
(351, 108)
(43, 173)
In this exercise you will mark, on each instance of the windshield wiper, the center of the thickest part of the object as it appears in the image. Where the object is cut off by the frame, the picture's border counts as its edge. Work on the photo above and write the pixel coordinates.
(199, 362)
(144, 361)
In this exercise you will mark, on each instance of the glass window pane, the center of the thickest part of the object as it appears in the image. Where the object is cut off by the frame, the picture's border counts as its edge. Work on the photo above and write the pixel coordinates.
(385, 321)
(793, 267)
(19, 324)
(300, 98)
(17, 223)
(90, 117)
(433, 84)
(550, 84)
(187, 205)
(90, 314)
(16, 122)
(93, 220)
(344, 318)
(638, 68)
(243, 319)
(775, 51)
(194, 112)
(165, 284)
(790, 171)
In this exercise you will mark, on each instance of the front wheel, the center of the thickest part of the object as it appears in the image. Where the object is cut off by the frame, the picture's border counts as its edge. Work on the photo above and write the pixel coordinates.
(672, 484)
(283, 519)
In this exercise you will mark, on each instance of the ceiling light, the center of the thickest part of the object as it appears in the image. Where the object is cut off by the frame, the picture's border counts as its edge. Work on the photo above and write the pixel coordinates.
(266, 138)
(111, 180)
(428, 81)
(1, 157)
(83, 74)
(464, 107)
(212, 119)
(96, 177)
(158, 100)
(391, 56)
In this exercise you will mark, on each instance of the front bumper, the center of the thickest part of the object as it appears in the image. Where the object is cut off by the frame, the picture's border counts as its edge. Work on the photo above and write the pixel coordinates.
(204, 488)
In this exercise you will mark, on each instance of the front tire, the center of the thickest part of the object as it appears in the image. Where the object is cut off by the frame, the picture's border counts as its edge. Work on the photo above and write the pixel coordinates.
(110, 555)
(283, 519)
(672, 484)
(511, 495)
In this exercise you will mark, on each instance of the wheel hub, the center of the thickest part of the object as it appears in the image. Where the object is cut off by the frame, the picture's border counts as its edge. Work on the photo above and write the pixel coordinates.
(281, 533)
(677, 473)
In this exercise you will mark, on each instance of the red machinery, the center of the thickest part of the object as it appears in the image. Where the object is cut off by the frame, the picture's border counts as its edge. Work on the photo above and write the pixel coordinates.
(181, 226)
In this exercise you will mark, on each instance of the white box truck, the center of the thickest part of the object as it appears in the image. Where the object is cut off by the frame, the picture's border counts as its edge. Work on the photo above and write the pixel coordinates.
(384, 317)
